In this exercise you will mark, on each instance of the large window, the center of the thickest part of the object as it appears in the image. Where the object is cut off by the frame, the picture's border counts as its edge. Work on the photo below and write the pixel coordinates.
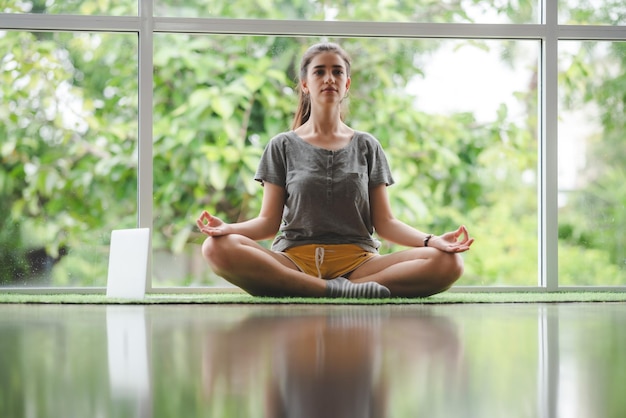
(506, 116)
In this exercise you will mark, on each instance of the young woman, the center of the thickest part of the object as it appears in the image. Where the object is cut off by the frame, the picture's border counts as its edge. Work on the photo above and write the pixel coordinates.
(325, 189)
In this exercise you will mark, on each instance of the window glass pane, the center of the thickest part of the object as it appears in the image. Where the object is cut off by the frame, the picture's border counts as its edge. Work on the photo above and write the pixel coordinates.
(78, 7)
(68, 123)
(457, 119)
(592, 12)
(473, 11)
(592, 173)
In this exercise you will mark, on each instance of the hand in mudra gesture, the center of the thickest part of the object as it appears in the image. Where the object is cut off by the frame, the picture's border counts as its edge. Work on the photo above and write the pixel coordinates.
(452, 242)
(211, 225)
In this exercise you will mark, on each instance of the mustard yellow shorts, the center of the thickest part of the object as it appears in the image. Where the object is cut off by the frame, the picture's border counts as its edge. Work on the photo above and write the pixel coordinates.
(328, 261)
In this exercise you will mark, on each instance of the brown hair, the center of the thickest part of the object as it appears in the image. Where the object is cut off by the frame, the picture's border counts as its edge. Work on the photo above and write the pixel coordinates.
(303, 111)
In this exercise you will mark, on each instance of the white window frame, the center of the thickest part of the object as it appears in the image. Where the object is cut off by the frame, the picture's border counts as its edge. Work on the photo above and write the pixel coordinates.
(548, 32)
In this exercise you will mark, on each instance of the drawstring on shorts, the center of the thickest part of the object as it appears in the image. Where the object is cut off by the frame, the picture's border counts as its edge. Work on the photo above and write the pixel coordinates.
(319, 259)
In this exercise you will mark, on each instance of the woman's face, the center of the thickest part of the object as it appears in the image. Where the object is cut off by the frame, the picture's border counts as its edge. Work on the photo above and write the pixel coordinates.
(327, 79)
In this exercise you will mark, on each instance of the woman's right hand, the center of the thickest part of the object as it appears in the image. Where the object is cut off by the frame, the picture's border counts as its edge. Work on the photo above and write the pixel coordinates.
(211, 225)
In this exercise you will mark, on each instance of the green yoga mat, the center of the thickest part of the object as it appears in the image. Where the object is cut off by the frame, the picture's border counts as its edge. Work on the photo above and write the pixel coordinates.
(240, 298)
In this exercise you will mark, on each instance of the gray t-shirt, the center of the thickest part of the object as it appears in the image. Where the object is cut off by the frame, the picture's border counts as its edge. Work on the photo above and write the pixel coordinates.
(327, 191)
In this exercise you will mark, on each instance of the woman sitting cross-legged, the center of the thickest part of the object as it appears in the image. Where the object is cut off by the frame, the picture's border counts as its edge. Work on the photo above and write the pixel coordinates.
(325, 192)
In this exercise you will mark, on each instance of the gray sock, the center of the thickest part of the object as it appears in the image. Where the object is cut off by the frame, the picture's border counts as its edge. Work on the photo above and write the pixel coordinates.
(344, 288)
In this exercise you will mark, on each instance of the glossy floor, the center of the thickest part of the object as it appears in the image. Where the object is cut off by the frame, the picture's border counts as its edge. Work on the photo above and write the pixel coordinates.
(466, 360)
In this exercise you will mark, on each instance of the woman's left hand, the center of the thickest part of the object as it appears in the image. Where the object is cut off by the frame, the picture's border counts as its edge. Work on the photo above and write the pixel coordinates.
(452, 242)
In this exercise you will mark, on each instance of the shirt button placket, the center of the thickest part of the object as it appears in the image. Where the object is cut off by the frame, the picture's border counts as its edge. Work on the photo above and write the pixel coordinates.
(329, 178)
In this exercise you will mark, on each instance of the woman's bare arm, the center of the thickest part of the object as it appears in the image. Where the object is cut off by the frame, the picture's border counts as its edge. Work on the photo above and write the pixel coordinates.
(396, 231)
(264, 226)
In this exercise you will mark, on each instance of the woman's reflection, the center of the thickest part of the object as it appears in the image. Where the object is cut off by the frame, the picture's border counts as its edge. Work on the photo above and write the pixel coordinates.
(326, 362)
(327, 366)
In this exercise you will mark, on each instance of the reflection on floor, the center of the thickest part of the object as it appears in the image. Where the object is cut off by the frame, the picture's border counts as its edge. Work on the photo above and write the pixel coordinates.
(468, 360)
